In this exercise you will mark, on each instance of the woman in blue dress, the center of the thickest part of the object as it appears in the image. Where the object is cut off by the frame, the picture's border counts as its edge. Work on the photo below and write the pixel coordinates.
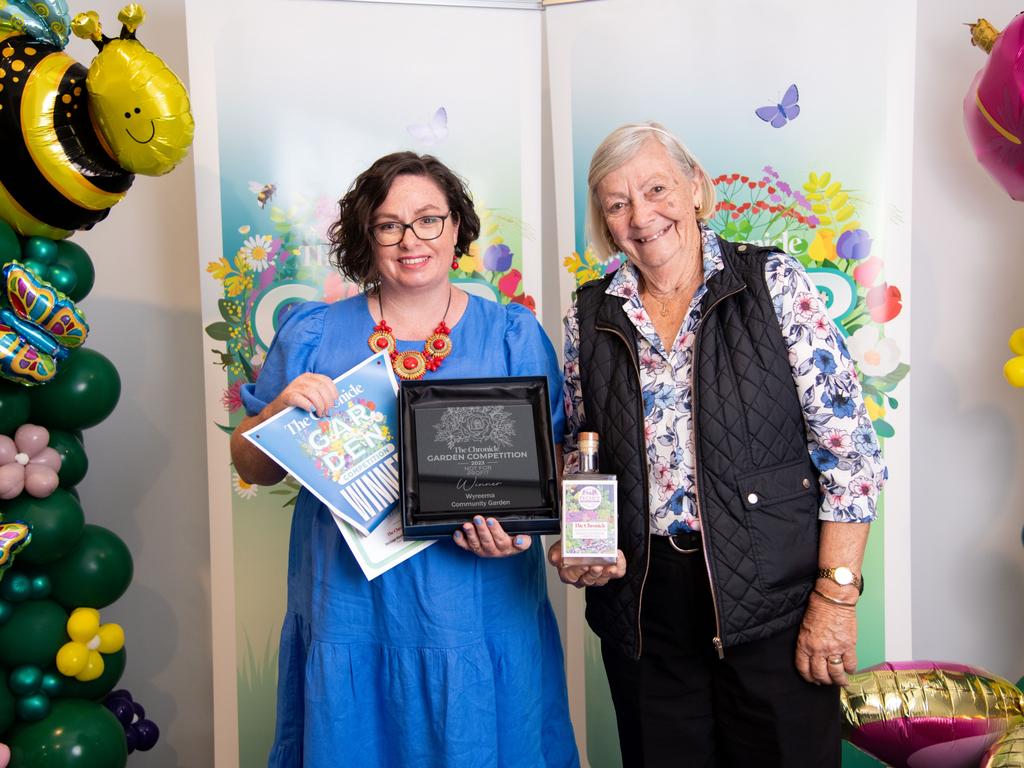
(453, 657)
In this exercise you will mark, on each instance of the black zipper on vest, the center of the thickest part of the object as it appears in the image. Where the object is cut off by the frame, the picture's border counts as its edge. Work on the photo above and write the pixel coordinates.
(647, 489)
(705, 530)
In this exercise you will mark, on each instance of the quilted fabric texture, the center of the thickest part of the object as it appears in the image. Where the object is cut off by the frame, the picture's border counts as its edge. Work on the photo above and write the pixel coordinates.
(757, 489)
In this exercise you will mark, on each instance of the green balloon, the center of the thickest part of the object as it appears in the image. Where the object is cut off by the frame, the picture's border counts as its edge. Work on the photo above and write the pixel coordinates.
(36, 267)
(94, 573)
(34, 707)
(16, 587)
(62, 278)
(113, 668)
(25, 679)
(14, 406)
(34, 634)
(7, 703)
(56, 524)
(41, 249)
(10, 246)
(73, 461)
(6, 611)
(81, 395)
(40, 587)
(74, 257)
(52, 683)
(76, 734)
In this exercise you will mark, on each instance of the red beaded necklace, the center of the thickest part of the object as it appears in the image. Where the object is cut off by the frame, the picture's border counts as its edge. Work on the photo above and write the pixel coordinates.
(412, 365)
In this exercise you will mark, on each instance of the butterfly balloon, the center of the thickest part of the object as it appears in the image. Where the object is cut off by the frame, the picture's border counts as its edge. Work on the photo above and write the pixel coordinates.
(38, 328)
(780, 114)
(433, 132)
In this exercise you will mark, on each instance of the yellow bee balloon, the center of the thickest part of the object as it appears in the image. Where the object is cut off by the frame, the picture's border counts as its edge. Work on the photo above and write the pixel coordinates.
(71, 139)
(1013, 370)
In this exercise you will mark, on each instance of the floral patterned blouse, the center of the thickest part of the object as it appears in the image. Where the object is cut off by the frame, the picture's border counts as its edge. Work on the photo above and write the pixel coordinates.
(840, 439)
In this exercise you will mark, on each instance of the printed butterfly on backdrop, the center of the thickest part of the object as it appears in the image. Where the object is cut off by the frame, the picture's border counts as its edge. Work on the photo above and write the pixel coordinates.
(37, 329)
(779, 114)
(433, 132)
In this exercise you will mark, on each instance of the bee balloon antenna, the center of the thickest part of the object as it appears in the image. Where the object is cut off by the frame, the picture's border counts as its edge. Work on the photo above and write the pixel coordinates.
(87, 26)
(131, 18)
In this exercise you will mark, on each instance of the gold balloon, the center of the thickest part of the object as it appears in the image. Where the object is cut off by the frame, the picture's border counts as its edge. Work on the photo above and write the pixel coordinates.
(1008, 752)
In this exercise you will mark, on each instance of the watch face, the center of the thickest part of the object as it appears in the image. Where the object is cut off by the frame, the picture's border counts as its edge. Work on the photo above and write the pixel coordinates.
(843, 575)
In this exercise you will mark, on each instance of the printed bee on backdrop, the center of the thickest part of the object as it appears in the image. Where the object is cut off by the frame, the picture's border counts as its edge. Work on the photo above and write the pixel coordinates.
(74, 137)
(264, 192)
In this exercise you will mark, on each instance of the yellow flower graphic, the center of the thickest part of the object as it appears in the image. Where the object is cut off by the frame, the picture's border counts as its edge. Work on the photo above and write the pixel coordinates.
(823, 246)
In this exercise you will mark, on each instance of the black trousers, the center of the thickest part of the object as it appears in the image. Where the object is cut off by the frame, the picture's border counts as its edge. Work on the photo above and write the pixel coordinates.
(681, 706)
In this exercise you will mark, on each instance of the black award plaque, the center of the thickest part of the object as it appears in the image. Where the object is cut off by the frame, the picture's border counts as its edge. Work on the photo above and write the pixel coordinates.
(476, 447)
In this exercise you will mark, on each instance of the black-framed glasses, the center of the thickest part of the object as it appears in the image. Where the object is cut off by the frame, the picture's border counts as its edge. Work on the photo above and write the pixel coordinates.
(427, 227)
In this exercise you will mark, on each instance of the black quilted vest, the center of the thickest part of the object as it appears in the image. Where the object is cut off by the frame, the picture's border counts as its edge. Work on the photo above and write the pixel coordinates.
(757, 489)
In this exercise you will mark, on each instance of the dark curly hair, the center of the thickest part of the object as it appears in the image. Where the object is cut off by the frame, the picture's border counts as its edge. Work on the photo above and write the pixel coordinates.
(351, 242)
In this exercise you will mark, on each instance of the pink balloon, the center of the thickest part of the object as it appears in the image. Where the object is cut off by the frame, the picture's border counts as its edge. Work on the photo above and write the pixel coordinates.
(48, 457)
(12, 480)
(994, 111)
(7, 450)
(31, 439)
(5, 755)
(40, 480)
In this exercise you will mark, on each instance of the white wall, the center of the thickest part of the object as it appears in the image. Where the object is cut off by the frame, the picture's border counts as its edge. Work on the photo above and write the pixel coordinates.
(147, 474)
(967, 423)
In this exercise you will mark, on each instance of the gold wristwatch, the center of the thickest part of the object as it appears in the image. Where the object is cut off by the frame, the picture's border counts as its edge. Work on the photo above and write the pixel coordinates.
(843, 576)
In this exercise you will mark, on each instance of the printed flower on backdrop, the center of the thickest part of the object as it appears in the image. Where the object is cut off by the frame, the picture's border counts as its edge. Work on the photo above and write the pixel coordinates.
(470, 262)
(243, 489)
(527, 301)
(884, 302)
(867, 271)
(854, 244)
(324, 212)
(509, 284)
(259, 250)
(337, 288)
(231, 399)
(258, 358)
(874, 409)
(822, 248)
(498, 257)
(876, 356)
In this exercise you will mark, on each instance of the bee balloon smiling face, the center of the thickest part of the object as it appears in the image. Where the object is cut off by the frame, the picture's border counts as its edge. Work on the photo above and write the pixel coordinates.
(140, 106)
(74, 138)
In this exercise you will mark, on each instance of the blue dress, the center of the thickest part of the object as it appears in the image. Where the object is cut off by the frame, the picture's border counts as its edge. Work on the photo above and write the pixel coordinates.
(447, 660)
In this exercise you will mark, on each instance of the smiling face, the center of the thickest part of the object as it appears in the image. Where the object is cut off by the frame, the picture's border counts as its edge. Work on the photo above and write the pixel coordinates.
(649, 206)
(140, 106)
(414, 263)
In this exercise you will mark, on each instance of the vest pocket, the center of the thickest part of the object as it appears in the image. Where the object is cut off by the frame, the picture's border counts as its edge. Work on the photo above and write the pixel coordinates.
(780, 505)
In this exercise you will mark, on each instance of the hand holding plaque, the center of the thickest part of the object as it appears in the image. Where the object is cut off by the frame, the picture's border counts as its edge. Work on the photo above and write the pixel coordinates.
(474, 447)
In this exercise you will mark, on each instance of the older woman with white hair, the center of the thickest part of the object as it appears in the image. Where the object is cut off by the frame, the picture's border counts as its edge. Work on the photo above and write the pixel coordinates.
(729, 408)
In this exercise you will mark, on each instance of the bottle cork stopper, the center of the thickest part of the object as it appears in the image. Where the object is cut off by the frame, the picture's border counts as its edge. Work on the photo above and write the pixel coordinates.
(588, 441)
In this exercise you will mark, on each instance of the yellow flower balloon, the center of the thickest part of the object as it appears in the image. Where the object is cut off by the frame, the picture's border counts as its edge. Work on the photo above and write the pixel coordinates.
(82, 657)
(1013, 370)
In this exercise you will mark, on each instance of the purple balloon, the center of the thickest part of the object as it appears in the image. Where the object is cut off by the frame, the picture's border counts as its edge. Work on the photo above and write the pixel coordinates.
(132, 738)
(122, 711)
(146, 734)
(854, 244)
(120, 693)
(139, 711)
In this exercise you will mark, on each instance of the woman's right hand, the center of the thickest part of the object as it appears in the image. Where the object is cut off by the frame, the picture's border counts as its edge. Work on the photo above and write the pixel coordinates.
(585, 575)
(312, 392)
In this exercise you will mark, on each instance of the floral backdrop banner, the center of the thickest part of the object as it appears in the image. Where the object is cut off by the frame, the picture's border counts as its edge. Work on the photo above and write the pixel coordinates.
(292, 100)
(802, 115)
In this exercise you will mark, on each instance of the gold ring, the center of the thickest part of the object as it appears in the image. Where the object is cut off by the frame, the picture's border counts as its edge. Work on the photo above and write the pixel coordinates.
(834, 659)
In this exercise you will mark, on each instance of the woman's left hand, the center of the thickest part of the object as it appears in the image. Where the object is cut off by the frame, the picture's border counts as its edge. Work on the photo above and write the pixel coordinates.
(826, 649)
(486, 538)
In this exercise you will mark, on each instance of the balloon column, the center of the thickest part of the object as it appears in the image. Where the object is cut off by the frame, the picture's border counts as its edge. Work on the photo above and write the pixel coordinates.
(994, 104)
(1014, 367)
(72, 138)
(937, 714)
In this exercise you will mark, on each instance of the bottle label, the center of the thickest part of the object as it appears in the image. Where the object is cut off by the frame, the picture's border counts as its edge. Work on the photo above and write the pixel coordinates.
(589, 517)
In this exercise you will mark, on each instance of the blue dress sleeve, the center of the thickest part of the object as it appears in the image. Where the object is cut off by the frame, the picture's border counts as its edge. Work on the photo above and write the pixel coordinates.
(292, 352)
(529, 353)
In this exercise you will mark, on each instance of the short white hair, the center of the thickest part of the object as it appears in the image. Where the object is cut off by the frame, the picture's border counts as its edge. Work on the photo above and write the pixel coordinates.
(618, 148)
